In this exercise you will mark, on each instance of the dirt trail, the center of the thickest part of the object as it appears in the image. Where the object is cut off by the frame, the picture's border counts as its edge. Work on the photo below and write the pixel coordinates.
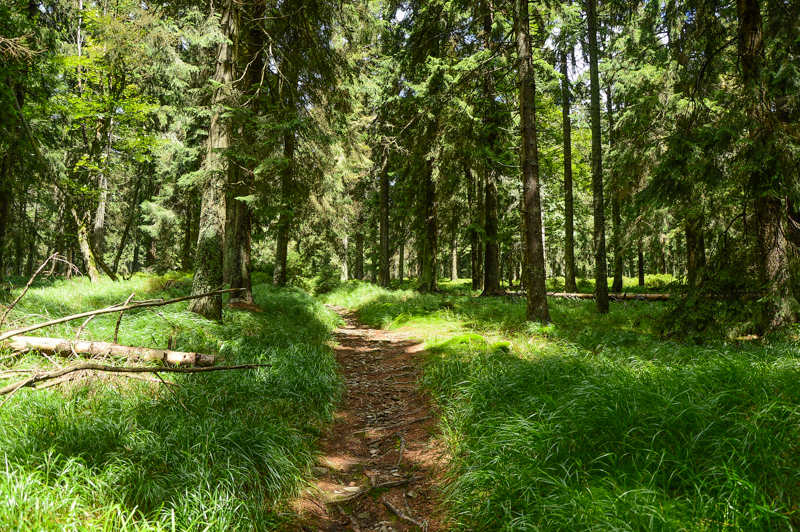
(380, 469)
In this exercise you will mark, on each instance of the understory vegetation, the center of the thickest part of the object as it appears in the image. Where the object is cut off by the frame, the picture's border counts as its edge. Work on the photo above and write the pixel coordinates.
(594, 422)
(211, 452)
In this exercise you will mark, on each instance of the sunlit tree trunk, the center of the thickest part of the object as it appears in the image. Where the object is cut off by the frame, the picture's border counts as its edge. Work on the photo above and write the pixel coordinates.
(601, 267)
(210, 241)
(537, 309)
(285, 216)
(454, 251)
(5, 201)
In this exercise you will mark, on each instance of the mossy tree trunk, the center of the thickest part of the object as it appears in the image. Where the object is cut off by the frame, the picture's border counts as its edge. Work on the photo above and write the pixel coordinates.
(210, 240)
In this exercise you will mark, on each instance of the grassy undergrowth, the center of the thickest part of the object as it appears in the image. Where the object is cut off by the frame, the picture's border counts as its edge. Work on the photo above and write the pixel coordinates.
(595, 423)
(219, 451)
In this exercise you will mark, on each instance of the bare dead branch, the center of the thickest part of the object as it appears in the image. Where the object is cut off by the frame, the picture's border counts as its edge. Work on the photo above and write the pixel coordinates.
(407, 518)
(27, 286)
(119, 319)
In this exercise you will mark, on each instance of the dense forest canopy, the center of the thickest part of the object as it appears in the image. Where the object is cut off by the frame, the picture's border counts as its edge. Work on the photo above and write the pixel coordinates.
(315, 140)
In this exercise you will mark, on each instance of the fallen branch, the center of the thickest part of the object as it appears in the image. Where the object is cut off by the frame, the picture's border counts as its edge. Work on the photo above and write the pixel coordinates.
(399, 513)
(41, 377)
(59, 346)
(27, 286)
(113, 308)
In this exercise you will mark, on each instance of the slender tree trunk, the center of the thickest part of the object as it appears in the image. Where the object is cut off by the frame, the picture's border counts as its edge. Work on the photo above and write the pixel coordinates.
(5, 201)
(383, 277)
(241, 272)
(454, 251)
(32, 237)
(601, 268)
(537, 309)
(401, 256)
(569, 202)
(345, 266)
(640, 253)
(428, 281)
(208, 264)
(128, 224)
(284, 219)
(474, 221)
(616, 216)
(99, 232)
(359, 266)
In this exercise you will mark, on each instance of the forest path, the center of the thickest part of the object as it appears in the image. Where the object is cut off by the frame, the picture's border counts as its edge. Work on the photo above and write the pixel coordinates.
(381, 462)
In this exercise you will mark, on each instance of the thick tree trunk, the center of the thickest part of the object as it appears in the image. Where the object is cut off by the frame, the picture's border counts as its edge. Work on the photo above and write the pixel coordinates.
(383, 277)
(62, 347)
(210, 241)
(491, 272)
(241, 270)
(428, 281)
(601, 268)
(537, 309)
(569, 202)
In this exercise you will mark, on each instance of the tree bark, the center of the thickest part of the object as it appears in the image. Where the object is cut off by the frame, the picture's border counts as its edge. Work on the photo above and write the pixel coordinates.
(210, 241)
(695, 249)
(401, 257)
(345, 265)
(537, 309)
(601, 267)
(383, 276)
(62, 347)
(569, 202)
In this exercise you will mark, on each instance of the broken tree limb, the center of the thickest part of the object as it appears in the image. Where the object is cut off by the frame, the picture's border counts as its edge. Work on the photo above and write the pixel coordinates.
(109, 310)
(27, 286)
(90, 366)
(59, 346)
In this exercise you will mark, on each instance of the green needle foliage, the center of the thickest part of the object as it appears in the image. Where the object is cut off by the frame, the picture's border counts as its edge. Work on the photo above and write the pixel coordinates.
(219, 451)
(594, 423)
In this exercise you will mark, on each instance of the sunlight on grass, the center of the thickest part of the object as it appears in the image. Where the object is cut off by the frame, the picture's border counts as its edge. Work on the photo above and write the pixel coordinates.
(221, 451)
(595, 423)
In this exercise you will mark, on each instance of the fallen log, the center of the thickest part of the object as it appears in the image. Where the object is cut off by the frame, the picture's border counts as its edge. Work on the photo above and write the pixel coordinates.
(59, 346)
(47, 376)
(612, 296)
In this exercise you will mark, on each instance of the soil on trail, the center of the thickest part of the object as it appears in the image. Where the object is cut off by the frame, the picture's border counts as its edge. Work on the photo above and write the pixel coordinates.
(381, 462)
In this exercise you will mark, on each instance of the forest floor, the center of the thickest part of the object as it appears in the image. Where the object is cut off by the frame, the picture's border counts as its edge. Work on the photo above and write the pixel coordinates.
(381, 462)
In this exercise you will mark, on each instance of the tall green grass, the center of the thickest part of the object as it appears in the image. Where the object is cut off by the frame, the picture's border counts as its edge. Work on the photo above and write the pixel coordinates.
(595, 423)
(220, 451)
